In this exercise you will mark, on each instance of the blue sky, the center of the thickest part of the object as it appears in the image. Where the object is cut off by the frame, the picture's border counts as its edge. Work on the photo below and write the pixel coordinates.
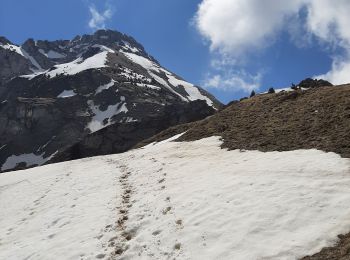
(227, 46)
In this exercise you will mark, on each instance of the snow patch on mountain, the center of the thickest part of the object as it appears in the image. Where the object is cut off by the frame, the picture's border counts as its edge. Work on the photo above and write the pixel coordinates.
(66, 94)
(103, 48)
(192, 91)
(148, 86)
(142, 61)
(105, 87)
(29, 159)
(71, 68)
(288, 89)
(151, 67)
(128, 47)
(12, 47)
(101, 118)
(97, 61)
(129, 74)
(128, 119)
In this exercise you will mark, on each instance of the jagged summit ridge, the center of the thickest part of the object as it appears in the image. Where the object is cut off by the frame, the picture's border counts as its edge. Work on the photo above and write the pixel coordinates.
(44, 54)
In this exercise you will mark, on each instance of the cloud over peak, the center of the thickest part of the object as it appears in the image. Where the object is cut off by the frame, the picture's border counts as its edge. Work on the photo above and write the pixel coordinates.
(98, 19)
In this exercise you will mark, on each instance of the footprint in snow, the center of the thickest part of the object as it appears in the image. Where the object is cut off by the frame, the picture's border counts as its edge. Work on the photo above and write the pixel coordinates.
(156, 233)
(100, 256)
(51, 236)
(166, 210)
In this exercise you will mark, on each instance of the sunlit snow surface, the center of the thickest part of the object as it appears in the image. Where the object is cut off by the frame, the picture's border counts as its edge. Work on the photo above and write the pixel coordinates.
(97, 61)
(192, 91)
(71, 68)
(105, 87)
(188, 200)
(57, 211)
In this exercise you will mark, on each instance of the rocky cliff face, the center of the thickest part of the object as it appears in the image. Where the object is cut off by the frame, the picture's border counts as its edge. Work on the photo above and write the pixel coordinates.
(95, 94)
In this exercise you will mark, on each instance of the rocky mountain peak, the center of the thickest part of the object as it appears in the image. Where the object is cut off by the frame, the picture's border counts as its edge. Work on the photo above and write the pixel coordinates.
(115, 37)
(29, 44)
(42, 55)
(4, 40)
(112, 39)
(95, 94)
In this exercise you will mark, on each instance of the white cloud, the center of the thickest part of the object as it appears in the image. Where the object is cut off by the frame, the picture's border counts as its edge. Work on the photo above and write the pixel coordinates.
(236, 26)
(339, 74)
(239, 27)
(98, 19)
(233, 81)
(330, 22)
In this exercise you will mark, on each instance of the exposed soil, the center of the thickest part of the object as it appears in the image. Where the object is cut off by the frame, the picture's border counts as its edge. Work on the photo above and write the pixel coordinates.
(341, 251)
(318, 118)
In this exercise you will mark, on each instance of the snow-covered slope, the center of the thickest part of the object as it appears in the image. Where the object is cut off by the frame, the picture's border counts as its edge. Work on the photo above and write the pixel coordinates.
(97, 61)
(170, 200)
(171, 81)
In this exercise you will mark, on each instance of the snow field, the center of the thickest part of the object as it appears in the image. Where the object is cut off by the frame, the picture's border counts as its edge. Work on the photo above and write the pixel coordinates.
(197, 201)
(188, 200)
(59, 211)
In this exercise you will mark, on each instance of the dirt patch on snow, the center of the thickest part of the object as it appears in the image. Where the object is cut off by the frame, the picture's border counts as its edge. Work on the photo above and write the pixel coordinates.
(341, 251)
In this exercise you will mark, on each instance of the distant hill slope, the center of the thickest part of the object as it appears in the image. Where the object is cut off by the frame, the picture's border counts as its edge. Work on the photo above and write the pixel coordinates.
(317, 118)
